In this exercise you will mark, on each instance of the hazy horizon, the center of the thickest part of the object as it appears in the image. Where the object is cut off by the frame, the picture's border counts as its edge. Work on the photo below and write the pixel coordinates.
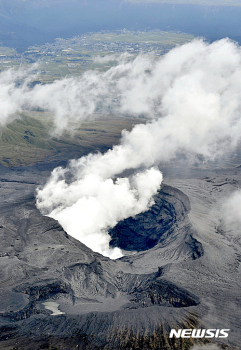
(25, 23)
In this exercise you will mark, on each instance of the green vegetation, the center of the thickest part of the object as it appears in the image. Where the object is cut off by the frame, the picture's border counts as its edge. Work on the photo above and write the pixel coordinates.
(7, 51)
(7, 58)
(158, 37)
(72, 57)
(27, 140)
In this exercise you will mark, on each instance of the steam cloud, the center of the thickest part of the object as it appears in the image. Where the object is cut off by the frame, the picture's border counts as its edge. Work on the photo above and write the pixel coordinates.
(93, 201)
(192, 97)
(231, 215)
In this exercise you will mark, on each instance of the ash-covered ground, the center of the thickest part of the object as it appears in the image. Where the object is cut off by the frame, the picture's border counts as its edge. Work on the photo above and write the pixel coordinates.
(181, 269)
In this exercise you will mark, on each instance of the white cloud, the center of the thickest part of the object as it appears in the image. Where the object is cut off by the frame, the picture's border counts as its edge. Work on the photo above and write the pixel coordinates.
(231, 211)
(195, 86)
(192, 97)
(94, 202)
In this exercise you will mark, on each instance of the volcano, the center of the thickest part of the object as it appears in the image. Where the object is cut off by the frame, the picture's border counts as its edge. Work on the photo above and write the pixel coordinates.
(180, 270)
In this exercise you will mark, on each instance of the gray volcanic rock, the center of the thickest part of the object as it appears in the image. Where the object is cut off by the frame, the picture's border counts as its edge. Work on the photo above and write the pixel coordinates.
(164, 293)
(57, 293)
(145, 230)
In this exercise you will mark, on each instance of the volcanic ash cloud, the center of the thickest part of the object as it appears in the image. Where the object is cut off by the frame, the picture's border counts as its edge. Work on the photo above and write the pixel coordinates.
(92, 203)
(192, 97)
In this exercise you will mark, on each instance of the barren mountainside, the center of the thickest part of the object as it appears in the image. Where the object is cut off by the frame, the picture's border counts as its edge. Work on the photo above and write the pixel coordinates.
(174, 280)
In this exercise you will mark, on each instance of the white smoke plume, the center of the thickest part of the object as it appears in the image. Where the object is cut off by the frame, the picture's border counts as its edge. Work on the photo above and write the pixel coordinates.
(192, 96)
(11, 96)
(193, 81)
(112, 58)
(196, 84)
(231, 215)
(70, 100)
(93, 202)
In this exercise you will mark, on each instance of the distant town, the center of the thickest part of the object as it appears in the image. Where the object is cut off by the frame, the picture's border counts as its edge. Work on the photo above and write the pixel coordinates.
(73, 56)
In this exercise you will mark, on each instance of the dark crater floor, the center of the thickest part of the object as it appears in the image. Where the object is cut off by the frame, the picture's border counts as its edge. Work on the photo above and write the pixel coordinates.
(145, 230)
(103, 304)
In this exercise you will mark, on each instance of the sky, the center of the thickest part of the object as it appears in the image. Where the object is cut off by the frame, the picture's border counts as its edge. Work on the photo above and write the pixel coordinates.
(25, 23)
(201, 2)
(194, 2)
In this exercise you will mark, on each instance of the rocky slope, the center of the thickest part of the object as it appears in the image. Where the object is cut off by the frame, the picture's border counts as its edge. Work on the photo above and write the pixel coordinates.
(56, 293)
